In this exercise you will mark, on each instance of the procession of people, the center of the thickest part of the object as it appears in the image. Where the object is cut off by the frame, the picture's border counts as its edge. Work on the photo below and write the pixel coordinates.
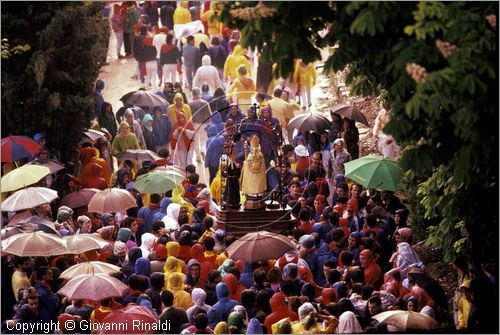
(127, 228)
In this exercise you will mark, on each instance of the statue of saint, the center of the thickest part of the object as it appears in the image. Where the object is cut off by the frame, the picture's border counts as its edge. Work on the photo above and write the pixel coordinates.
(253, 174)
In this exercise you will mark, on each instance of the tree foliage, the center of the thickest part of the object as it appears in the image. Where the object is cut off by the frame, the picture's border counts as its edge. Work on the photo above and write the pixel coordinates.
(50, 87)
(437, 61)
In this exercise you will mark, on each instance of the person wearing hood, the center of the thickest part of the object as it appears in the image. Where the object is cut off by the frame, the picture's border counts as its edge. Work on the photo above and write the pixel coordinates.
(94, 180)
(280, 311)
(106, 119)
(183, 141)
(254, 327)
(148, 133)
(175, 284)
(198, 296)
(223, 269)
(171, 219)
(233, 62)
(125, 235)
(242, 88)
(173, 249)
(181, 13)
(310, 322)
(198, 254)
(234, 287)
(147, 241)
(99, 99)
(215, 146)
(178, 106)
(207, 74)
(268, 129)
(161, 129)
(246, 277)
(236, 323)
(192, 278)
(221, 310)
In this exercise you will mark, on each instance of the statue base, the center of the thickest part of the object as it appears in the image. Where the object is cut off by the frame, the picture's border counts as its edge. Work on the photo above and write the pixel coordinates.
(241, 221)
(254, 202)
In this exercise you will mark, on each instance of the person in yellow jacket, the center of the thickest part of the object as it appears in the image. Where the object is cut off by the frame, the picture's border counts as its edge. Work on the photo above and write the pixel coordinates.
(213, 26)
(175, 284)
(243, 88)
(173, 249)
(216, 188)
(305, 78)
(464, 305)
(234, 60)
(177, 107)
(181, 13)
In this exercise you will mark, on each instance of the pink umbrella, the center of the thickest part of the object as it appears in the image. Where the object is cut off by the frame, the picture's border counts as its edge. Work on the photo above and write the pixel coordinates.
(130, 317)
(79, 198)
(111, 200)
(94, 287)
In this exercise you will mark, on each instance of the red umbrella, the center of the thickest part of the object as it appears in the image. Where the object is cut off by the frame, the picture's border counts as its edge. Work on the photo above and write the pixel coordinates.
(134, 319)
(18, 147)
(79, 198)
(94, 287)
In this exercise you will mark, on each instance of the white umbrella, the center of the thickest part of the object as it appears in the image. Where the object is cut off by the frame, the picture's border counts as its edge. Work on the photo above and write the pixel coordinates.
(28, 198)
(35, 244)
(89, 268)
(111, 200)
(53, 165)
(76, 244)
(94, 135)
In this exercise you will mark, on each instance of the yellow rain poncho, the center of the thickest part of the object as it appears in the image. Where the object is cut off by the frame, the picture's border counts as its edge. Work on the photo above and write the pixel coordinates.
(175, 284)
(232, 63)
(181, 13)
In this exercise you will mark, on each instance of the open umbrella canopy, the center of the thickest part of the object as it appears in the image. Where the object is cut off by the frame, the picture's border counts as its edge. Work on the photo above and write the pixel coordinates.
(350, 112)
(79, 198)
(76, 244)
(111, 200)
(309, 121)
(144, 98)
(174, 168)
(96, 287)
(42, 224)
(405, 320)
(36, 243)
(258, 246)
(158, 181)
(89, 268)
(93, 135)
(18, 147)
(28, 198)
(53, 165)
(373, 171)
(23, 176)
(138, 155)
(129, 316)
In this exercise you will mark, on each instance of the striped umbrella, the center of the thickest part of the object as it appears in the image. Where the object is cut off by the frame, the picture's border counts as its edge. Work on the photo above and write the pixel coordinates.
(18, 147)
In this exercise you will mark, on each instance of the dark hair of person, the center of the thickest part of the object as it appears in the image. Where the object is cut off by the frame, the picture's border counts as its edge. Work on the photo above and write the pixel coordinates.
(167, 298)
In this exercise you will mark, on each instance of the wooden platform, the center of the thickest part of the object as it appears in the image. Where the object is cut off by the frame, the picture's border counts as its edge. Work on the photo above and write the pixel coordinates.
(240, 222)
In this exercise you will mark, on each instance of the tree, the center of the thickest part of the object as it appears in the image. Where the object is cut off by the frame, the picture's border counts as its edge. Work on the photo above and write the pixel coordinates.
(437, 63)
(50, 87)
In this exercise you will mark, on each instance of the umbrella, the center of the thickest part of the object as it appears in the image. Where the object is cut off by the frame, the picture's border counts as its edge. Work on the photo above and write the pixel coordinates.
(28, 198)
(20, 216)
(53, 165)
(93, 135)
(18, 147)
(42, 224)
(262, 245)
(126, 96)
(138, 155)
(36, 243)
(77, 244)
(111, 200)
(96, 287)
(373, 171)
(404, 320)
(89, 268)
(174, 168)
(309, 121)
(144, 98)
(128, 319)
(350, 112)
(79, 198)
(23, 176)
(158, 181)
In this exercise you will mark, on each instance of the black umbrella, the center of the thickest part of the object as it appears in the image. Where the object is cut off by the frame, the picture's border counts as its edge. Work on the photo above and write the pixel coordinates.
(309, 121)
(350, 112)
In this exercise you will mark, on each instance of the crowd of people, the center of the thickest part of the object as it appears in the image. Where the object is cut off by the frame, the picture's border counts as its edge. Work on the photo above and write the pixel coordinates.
(354, 255)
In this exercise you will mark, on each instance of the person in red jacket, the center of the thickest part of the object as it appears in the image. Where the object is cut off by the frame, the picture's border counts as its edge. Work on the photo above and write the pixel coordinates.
(235, 288)
(280, 311)
(373, 273)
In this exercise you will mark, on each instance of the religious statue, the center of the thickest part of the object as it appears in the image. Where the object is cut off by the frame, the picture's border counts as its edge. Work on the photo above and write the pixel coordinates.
(253, 176)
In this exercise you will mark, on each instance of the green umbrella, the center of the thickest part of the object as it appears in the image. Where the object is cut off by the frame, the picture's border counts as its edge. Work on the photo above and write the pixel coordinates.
(373, 171)
(158, 182)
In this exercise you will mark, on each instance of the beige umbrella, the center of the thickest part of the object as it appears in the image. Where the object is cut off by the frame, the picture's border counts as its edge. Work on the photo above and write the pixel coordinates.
(23, 176)
(138, 155)
(405, 320)
(174, 168)
(111, 200)
(258, 246)
(94, 287)
(28, 198)
(36, 243)
(89, 268)
(93, 135)
(76, 244)
(53, 165)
